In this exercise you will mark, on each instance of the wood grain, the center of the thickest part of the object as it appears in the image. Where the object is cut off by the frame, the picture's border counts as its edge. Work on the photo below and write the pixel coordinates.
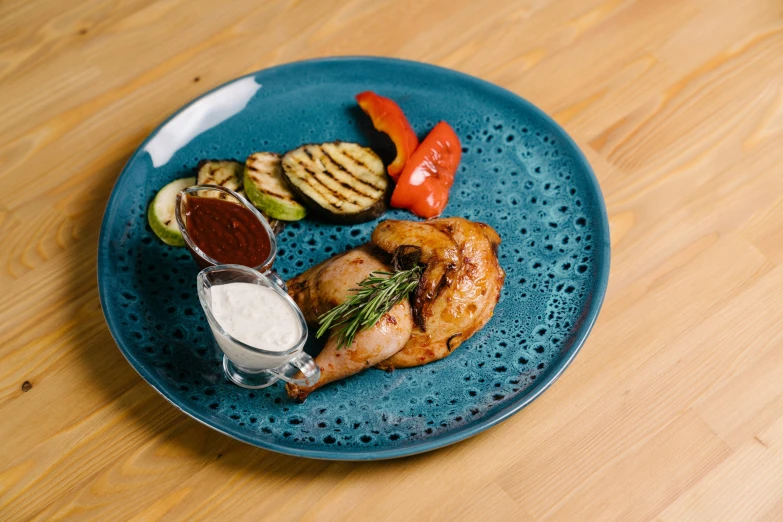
(672, 411)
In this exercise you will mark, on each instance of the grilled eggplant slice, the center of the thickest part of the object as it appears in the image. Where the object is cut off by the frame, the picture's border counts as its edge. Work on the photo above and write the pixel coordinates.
(267, 189)
(225, 173)
(344, 182)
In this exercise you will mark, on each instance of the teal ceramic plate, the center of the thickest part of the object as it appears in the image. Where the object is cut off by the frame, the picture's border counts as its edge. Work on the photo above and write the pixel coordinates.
(520, 173)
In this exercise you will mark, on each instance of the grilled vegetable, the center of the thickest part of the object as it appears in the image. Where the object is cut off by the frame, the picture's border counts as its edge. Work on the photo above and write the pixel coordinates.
(161, 212)
(387, 117)
(225, 173)
(423, 187)
(267, 189)
(344, 182)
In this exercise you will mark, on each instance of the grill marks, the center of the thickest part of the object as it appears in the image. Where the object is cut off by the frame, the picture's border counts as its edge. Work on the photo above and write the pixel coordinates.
(357, 186)
(342, 178)
(343, 183)
(225, 173)
(348, 163)
(267, 188)
(263, 168)
(332, 196)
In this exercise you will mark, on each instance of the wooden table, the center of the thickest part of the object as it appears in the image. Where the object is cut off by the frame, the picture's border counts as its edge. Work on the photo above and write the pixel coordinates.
(674, 408)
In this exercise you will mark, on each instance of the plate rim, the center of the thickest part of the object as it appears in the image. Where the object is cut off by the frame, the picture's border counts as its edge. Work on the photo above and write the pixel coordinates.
(591, 311)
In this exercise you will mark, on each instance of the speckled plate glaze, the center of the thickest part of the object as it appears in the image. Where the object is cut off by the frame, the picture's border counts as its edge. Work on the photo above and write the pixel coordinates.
(520, 173)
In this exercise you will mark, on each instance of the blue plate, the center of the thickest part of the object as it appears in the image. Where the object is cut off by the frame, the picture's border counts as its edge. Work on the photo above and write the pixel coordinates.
(520, 173)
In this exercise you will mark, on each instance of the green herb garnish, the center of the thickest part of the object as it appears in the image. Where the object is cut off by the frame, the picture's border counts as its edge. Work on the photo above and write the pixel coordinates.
(375, 296)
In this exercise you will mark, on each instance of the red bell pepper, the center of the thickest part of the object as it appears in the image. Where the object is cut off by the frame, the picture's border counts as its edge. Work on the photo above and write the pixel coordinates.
(423, 186)
(387, 117)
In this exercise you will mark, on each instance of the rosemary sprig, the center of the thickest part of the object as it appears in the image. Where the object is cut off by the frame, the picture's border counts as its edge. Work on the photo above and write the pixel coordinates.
(376, 295)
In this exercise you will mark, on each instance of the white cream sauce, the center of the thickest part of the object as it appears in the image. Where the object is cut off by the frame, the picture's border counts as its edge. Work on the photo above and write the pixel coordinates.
(255, 315)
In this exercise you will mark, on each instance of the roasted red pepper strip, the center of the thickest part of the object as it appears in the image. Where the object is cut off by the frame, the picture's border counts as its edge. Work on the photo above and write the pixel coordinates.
(387, 117)
(423, 187)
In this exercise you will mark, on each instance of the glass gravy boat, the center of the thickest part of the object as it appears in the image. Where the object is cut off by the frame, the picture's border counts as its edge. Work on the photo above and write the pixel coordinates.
(203, 259)
(253, 366)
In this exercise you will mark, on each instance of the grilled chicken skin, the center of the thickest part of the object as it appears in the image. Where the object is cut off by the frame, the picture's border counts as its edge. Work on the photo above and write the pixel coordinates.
(465, 295)
(435, 249)
(327, 285)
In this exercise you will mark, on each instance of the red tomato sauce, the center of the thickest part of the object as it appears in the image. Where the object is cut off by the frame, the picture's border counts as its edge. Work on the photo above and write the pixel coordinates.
(227, 232)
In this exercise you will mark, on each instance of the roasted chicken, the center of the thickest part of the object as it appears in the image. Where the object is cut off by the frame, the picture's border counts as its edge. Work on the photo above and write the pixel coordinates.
(327, 285)
(459, 295)
(456, 295)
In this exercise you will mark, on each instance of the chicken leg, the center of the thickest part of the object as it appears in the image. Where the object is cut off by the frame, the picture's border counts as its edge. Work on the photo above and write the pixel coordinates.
(329, 284)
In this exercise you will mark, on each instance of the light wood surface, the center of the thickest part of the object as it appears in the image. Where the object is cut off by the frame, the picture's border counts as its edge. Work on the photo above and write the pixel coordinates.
(672, 411)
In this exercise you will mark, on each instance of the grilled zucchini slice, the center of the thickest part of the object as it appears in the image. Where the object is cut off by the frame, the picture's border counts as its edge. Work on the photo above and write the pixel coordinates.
(344, 182)
(225, 173)
(267, 189)
(161, 212)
